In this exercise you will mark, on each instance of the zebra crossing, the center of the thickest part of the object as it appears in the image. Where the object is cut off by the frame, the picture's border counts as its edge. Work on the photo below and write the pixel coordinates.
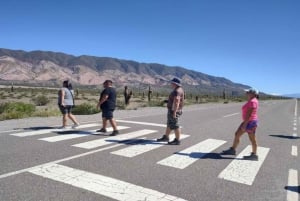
(240, 171)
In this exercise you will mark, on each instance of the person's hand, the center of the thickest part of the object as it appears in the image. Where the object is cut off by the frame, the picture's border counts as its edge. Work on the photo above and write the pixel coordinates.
(174, 115)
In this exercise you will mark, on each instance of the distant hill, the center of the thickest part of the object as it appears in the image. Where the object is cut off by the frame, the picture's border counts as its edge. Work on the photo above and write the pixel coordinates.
(50, 68)
(292, 95)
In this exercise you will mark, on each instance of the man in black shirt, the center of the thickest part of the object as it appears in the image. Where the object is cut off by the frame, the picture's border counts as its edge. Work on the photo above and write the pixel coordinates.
(107, 103)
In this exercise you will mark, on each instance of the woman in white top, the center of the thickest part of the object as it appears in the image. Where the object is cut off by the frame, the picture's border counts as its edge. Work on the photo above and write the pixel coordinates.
(66, 103)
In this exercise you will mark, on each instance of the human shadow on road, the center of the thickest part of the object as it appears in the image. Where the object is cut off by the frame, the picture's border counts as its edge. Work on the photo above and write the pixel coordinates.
(293, 188)
(128, 141)
(72, 132)
(39, 128)
(201, 155)
(290, 137)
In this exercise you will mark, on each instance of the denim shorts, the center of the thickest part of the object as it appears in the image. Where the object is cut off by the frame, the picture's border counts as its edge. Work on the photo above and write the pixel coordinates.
(251, 126)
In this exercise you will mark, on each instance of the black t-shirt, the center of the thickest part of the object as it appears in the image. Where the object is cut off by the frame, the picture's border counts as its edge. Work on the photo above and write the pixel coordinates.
(110, 103)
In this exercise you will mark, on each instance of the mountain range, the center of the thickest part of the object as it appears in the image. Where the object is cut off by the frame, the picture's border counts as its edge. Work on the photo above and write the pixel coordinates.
(47, 68)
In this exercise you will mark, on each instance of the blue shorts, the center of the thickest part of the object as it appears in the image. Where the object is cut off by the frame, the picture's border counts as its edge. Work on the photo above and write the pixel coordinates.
(251, 126)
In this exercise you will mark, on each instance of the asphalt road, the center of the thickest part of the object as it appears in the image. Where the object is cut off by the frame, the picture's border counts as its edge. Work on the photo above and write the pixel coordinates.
(40, 162)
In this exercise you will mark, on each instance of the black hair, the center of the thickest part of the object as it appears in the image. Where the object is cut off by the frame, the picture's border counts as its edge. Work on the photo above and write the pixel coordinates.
(66, 83)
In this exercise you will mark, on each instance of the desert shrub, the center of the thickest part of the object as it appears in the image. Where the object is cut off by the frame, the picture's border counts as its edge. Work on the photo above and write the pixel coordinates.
(15, 110)
(41, 100)
(84, 109)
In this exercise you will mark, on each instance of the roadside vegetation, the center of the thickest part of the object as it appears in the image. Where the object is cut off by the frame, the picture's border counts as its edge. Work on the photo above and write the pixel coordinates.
(22, 102)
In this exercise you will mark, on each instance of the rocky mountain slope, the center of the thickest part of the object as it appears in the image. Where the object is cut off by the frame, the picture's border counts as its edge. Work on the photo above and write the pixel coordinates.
(50, 68)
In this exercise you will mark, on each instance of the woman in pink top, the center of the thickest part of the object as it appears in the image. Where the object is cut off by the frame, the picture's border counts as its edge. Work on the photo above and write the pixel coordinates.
(249, 125)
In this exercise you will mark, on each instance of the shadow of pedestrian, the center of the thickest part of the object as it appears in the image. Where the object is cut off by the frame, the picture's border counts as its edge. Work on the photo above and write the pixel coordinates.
(40, 128)
(293, 188)
(290, 137)
(204, 155)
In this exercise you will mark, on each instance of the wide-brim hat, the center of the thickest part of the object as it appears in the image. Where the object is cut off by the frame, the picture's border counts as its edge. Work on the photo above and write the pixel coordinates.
(252, 91)
(176, 81)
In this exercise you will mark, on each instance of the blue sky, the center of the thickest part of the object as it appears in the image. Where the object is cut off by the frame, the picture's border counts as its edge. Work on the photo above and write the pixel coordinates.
(253, 42)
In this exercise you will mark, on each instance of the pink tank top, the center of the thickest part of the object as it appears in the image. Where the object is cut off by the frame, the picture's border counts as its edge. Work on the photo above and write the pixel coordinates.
(253, 103)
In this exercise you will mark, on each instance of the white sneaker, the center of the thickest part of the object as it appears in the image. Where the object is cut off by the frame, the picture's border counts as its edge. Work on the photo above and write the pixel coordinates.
(62, 127)
(75, 126)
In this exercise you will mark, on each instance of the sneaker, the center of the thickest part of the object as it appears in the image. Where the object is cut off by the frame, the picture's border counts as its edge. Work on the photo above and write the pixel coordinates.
(102, 130)
(174, 142)
(75, 126)
(115, 132)
(229, 151)
(164, 138)
(62, 127)
(252, 157)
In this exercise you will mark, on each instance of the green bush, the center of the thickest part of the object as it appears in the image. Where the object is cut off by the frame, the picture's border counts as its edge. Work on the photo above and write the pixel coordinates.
(41, 100)
(84, 109)
(16, 110)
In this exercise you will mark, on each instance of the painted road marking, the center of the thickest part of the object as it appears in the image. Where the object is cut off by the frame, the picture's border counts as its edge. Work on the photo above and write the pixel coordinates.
(103, 185)
(229, 115)
(244, 171)
(190, 155)
(145, 146)
(293, 188)
(58, 161)
(294, 151)
(77, 135)
(142, 123)
(114, 139)
(46, 131)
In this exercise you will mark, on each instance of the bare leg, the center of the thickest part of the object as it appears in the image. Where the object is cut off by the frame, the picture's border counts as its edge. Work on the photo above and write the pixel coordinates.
(177, 133)
(104, 122)
(239, 132)
(64, 120)
(168, 131)
(113, 124)
(252, 138)
(72, 117)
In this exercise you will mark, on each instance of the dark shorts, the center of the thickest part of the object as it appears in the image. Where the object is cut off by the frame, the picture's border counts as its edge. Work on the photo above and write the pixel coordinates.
(172, 122)
(251, 126)
(108, 114)
(67, 109)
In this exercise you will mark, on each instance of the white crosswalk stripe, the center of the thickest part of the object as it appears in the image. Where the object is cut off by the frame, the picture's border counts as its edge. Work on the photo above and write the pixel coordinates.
(114, 139)
(240, 171)
(244, 171)
(190, 155)
(78, 134)
(103, 185)
(47, 131)
(145, 146)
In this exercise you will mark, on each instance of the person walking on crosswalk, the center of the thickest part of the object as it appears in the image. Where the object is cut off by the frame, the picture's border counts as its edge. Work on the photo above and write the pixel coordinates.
(66, 103)
(249, 125)
(174, 105)
(107, 103)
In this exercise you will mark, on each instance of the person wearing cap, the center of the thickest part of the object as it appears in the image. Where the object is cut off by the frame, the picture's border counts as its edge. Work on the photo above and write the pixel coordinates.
(249, 125)
(174, 105)
(107, 103)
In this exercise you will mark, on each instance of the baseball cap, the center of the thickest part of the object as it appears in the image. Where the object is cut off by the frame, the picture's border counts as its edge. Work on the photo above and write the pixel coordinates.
(252, 91)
